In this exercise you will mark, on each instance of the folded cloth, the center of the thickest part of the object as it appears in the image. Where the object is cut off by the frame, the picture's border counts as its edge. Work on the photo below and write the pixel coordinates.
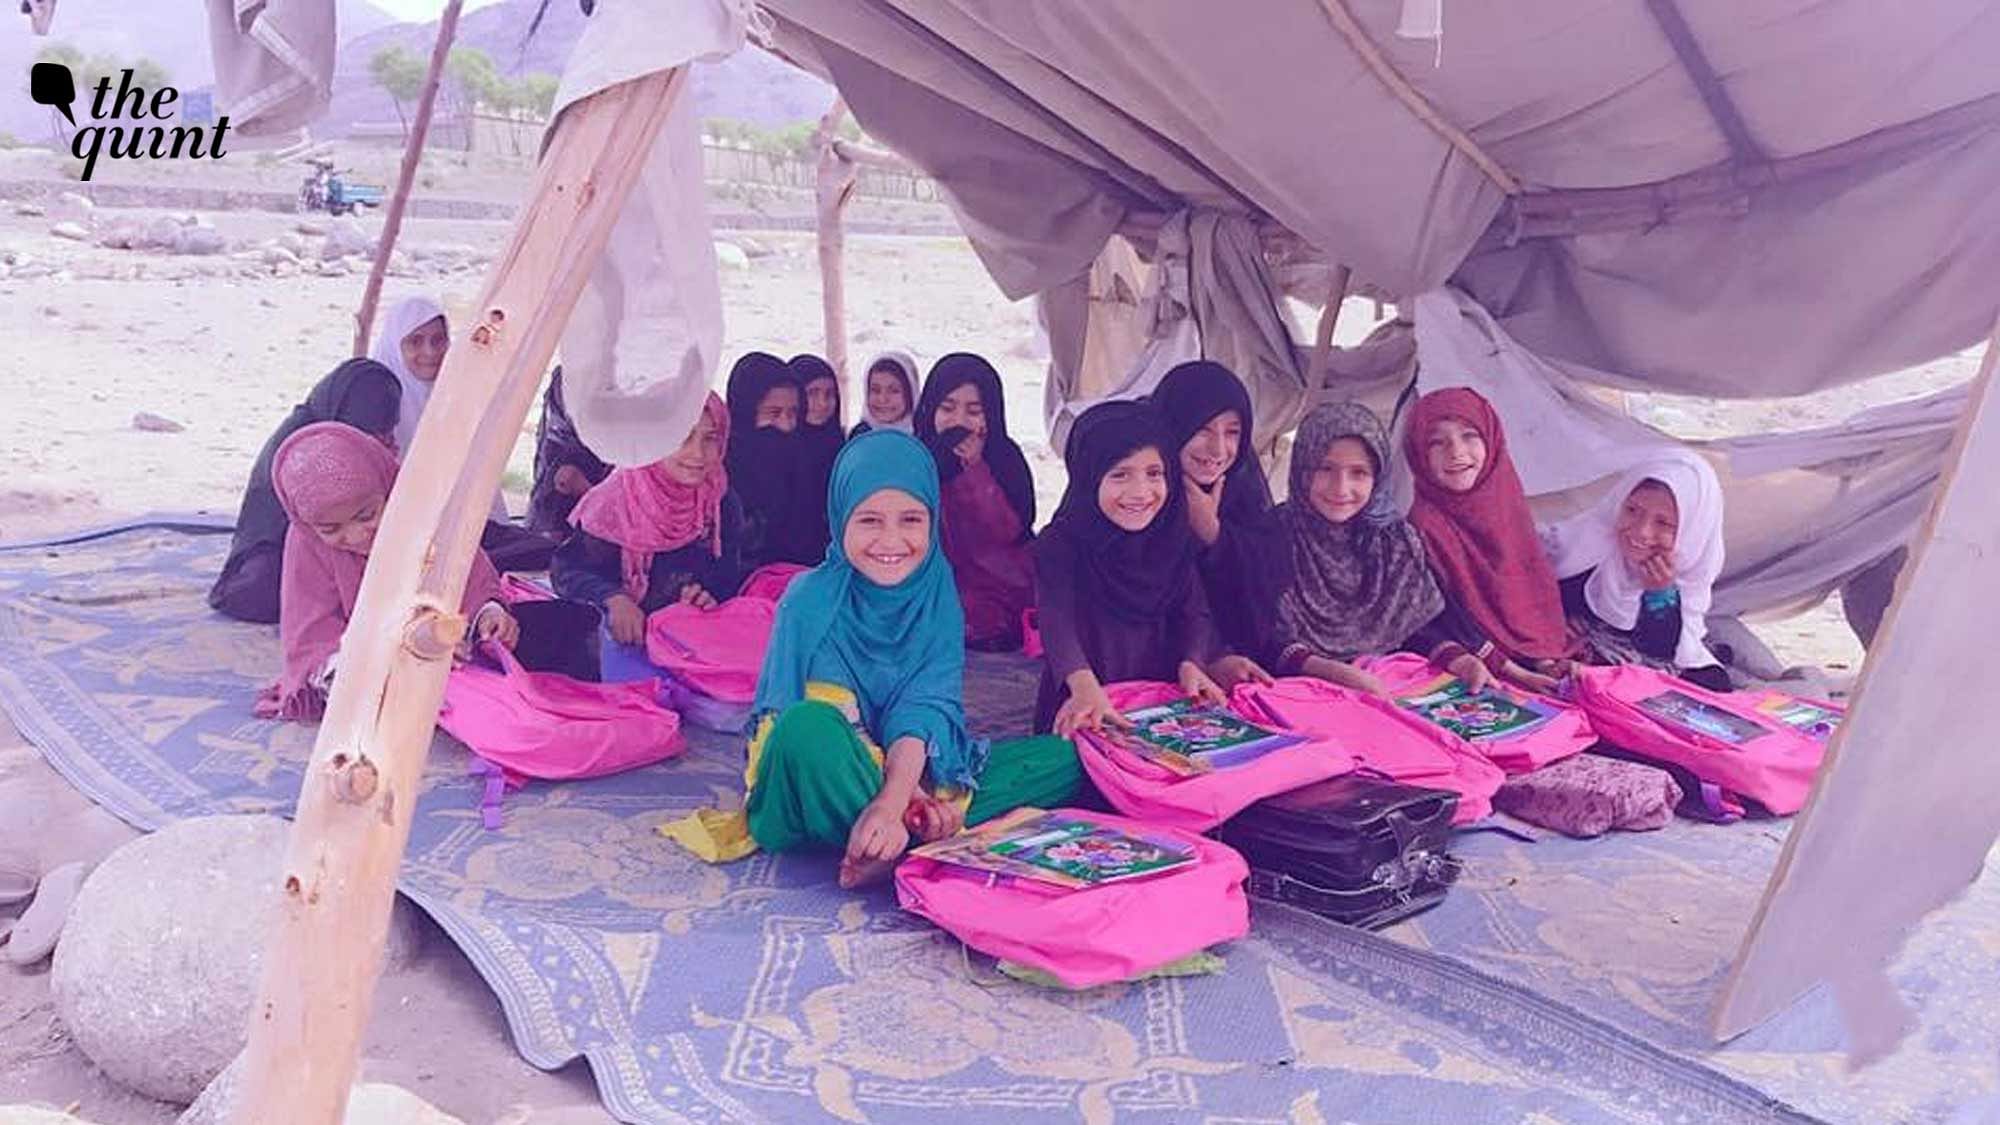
(1589, 795)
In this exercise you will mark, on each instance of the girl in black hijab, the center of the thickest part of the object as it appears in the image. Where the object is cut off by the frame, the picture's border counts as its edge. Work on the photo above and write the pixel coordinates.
(820, 435)
(360, 393)
(987, 510)
(1116, 573)
(565, 468)
(1244, 553)
(764, 458)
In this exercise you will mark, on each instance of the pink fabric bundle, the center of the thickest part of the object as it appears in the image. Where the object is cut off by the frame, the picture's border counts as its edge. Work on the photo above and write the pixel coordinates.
(1383, 739)
(716, 652)
(1567, 732)
(1153, 793)
(1749, 752)
(646, 511)
(318, 470)
(1098, 935)
(1588, 795)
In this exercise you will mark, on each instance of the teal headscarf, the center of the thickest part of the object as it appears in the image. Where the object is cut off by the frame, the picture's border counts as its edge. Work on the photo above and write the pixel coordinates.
(901, 647)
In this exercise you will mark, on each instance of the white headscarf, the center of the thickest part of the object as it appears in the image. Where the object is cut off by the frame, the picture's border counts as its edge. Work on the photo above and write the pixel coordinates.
(907, 363)
(1589, 540)
(403, 318)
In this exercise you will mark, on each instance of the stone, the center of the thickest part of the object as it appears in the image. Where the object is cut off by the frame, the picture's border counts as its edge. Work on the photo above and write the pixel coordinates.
(368, 1103)
(74, 231)
(275, 254)
(200, 240)
(155, 424)
(346, 236)
(310, 227)
(30, 210)
(730, 256)
(162, 234)
(74, 208)
(123, 233)
(335, 268)
(752, 247)
(160, 960)
(295, 242)
(285, 269)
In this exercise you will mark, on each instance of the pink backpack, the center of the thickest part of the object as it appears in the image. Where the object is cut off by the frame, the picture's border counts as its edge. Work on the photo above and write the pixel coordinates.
(1094, 936)
(770, 581)
(1151, 792)
(1567, 730)
(525, 724)
(1737, 740)
(713, 652)
(1384, 740)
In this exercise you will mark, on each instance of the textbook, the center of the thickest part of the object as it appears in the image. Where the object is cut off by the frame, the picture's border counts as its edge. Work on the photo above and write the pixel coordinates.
(1192, 738)
(1451, 703)
(1061, 850)
(1810, 719)
(1683, 711)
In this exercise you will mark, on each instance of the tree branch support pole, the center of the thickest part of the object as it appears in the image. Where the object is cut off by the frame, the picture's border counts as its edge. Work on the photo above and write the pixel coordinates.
(1336, 292)
(413, 154)
(362, 781)
(834, 187)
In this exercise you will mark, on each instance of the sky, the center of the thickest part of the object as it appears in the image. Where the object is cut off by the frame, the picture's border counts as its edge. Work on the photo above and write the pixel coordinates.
(418, 11)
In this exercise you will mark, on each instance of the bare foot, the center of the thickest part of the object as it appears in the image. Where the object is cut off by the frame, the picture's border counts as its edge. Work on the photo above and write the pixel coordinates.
(855, 875)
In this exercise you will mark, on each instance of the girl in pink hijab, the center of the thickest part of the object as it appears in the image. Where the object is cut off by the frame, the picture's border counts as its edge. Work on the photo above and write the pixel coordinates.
(333, 481)
(657, 534)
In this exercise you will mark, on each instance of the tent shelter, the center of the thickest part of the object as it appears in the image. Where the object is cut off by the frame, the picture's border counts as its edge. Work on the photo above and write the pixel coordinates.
(1688, 195)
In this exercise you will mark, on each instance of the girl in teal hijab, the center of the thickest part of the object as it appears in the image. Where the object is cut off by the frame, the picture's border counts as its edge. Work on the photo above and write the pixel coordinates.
(859, 739)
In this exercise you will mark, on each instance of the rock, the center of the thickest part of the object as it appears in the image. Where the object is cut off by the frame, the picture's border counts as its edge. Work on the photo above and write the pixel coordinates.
(267, 303)
(336, 268)
(295, 242)
(154, 424)
(275, 255)
(31, 210)
(311, 227)
(160, 959)
(751, 247)
(162, 233)
(123, 233)
(729, 256)
(30, 270)
(200, 240)
(346, 236)
(400, 265)
(74, 231)
(72, 207)
(368, 1103)
(285, 269)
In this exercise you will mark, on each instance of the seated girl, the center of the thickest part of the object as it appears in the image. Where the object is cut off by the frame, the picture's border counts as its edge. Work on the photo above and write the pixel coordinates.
(1360, 585)
(334, 481)
(1115, 574)
(360, 393)
(565, 468)
(1638, 571)
(989, 498)
(652, 536)
(1243, 559)
(860, 728)
(892, 394)
(821, 436)
(764, 456)
(1480, 539)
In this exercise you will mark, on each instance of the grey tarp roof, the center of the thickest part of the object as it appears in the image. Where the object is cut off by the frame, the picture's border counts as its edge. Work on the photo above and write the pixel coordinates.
(1772, 267)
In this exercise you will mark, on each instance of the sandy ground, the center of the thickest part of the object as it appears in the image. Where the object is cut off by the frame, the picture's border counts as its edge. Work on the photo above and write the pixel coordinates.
(226, 357)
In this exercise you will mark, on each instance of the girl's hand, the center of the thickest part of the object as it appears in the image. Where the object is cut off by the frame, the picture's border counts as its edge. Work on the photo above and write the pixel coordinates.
(1199, 687)
(1658, 571)
(1533, 681)
(876, 841)
(1232, 670)
(570, 481)
(695, 595)
(627, 620)
(1348, 676)
(494, 623)
(1472, 670)
(971, 449)
(1089, 708)
(1204, 510)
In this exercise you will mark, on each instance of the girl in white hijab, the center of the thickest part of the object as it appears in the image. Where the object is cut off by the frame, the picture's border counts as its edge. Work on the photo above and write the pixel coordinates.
(414, 338)
(890, 398)
(1638, 571)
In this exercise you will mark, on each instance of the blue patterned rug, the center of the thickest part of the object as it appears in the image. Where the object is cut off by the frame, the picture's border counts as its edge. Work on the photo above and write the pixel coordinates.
(1573, 989)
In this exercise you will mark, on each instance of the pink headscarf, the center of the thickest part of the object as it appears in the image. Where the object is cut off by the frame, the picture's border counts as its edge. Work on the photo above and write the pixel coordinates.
(320, 468)
(645, 510)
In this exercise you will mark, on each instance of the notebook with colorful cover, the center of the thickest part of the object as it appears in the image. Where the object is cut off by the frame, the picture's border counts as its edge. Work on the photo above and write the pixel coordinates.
(1190, 738)
(1681, 710)
(1451, 703)
(1814, 720)
(1064, 851)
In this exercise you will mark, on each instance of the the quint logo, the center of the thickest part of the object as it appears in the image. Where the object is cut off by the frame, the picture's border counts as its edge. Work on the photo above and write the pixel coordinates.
(143, 134)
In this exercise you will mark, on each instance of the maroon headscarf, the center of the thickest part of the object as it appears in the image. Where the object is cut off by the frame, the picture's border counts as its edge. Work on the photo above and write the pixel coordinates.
(1482, 542)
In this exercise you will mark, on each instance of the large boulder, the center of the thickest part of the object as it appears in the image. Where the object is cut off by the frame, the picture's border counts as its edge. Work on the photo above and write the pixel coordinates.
(160, 960)
(368, 1103)
(73, 207)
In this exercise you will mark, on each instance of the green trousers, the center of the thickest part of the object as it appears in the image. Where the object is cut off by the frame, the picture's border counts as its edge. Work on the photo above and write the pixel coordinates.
(815, 773)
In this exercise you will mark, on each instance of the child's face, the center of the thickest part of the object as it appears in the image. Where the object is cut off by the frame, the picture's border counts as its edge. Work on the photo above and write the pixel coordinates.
(351, 526)
(887, 536)
(962, 407)
(1454, 453)
(424, 348)
(1213, 448)
(1343, 481)
(1135, 490)
(697, 456)
(779, 410)
(887, 401)
(822, 400)
(1649, 523)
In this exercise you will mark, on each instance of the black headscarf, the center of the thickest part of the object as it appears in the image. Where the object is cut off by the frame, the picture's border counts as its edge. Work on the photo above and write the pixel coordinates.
(1003, 454)
(557, 444)
(360, 393)
(766, 467)
(822, 442)
(1248, 565)
(1135, 576)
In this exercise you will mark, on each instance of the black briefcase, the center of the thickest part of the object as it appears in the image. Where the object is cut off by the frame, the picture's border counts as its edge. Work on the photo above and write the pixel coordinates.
(1362, 851)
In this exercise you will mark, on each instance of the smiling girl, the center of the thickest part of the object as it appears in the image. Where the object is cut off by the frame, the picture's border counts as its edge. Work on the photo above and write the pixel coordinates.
(1115, 574)
(1361, 586)
(891, 394)
(860, 740)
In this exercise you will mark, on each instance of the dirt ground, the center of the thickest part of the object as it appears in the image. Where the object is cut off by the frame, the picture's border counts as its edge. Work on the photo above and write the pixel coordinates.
(226, 356)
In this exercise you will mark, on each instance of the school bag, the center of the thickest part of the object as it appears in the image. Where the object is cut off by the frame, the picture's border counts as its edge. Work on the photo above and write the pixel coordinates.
(770, 581)
(1359, 850)
(1761, 745)
(1097, 935)
(523, 724)
(1145, 790)
(1548, 729)
(1386, 741)
(714, 652)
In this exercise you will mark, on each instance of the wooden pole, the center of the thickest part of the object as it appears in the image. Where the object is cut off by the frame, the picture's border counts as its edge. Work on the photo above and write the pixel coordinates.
(1336, 292)
(361, 783)
(413, 153)
(834, 188)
